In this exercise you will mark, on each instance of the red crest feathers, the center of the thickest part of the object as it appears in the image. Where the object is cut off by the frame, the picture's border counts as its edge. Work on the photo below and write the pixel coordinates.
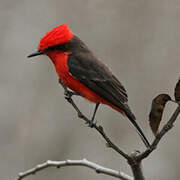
(58, 35)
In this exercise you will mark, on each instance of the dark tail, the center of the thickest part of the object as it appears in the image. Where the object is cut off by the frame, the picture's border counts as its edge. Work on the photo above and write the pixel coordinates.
(132, 118)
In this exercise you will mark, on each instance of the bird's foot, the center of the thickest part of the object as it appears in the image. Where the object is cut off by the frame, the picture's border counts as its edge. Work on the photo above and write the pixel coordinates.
(68, 94)
(91, 123)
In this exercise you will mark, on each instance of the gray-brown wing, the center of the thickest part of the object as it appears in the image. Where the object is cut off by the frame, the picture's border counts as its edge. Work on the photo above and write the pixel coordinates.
(91, 72)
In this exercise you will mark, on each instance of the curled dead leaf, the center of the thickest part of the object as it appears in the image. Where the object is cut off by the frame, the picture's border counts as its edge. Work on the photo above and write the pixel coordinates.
(177, 91)
(157, 109)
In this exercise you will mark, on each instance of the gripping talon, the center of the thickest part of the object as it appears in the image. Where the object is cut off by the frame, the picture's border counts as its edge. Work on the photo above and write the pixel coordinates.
(67, 95)
(90, 124)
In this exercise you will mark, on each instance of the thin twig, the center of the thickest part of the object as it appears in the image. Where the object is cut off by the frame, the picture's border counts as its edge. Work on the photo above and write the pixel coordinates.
(138, 157)
(98, 168)
(134, 159)
(68, 97)
(163, 131)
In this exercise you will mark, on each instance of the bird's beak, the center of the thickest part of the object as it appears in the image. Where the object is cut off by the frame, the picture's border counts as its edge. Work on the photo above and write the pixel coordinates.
(37, 53)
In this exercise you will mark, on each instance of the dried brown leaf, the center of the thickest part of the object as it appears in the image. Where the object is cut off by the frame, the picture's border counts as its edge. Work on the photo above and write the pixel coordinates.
(177, 91)
(157, 109)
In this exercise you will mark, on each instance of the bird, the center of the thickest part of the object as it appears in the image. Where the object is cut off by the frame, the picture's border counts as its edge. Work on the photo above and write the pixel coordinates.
(82, 72)
(177, 91)
(157, 109)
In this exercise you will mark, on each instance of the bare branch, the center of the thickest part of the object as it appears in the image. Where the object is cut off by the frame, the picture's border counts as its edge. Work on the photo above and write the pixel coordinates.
(134, 159)
(58, 164)
(68, 97)
(136, 166)
(137, 171)
(164, 130)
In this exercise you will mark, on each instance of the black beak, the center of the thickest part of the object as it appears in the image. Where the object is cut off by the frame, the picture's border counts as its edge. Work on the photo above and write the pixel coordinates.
(37, 53)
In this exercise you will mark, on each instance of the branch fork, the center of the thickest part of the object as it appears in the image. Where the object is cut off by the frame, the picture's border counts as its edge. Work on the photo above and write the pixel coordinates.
(134, 159)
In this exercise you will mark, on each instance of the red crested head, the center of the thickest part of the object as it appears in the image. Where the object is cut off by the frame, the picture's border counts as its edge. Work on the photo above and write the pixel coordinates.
(58, 35)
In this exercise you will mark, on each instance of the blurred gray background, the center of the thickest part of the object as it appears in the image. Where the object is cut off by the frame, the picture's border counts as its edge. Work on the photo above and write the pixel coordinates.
(138, 39)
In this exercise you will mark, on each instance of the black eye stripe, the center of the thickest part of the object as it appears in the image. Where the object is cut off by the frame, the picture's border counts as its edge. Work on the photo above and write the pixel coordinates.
(59, 47)
(72, 45)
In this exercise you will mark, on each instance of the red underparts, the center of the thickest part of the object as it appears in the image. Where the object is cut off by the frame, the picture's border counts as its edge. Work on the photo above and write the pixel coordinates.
(59, 60)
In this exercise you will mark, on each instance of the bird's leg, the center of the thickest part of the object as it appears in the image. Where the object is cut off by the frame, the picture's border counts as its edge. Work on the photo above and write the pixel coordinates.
(93, 117)
(67, 93)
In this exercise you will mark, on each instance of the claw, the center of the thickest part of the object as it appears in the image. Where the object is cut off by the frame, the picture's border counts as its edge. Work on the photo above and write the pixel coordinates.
(91, 124)
(67, 95)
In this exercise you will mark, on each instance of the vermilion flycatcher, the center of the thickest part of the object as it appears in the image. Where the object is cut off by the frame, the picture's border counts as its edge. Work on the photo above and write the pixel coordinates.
(80, 70)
